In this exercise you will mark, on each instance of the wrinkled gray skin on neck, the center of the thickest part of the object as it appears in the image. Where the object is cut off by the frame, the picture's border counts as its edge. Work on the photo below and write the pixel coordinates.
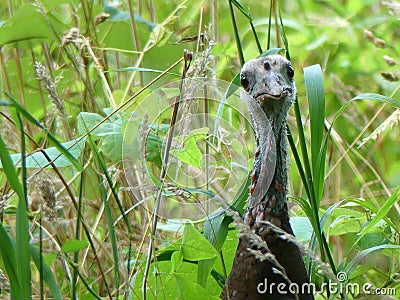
(268, 84)
(270, 92)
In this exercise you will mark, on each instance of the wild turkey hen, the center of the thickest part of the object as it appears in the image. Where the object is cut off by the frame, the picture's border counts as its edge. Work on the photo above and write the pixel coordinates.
(268, 263)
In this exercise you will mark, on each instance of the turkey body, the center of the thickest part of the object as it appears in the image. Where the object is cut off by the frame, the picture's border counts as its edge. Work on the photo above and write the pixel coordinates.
(268, 263)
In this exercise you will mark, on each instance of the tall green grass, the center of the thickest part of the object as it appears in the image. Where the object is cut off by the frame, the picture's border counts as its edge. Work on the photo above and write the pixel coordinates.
(96, 247)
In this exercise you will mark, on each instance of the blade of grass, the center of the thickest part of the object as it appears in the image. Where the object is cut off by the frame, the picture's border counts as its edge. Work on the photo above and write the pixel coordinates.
(40, 265)
(46, 273)
(9, 170)
(386, 207)
(18, 269)
(137, 69)
(250, 19)
(360, 256)
(306, 165)
(236, 33)
(100, 162)
(216, 229)
(305, 206)
(22, 226)
(77, 235)
(104, 169)
(52, 138)
(269, 24)
(316, 103)
(283, 34)
(298, 163)
(367, 96)
(305, 169)
(374, 210)
(7, 250)
(187, 56)
(85, 282)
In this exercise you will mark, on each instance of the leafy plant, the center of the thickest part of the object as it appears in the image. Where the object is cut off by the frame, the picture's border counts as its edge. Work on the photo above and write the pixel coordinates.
(74, 72)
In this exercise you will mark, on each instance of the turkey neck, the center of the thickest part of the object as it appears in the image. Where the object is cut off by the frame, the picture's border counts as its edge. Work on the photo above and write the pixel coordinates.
(268, 201)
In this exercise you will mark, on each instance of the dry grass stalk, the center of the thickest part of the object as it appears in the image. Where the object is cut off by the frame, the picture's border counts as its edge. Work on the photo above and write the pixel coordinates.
(50, 87)
(392, 120)
(4, 283)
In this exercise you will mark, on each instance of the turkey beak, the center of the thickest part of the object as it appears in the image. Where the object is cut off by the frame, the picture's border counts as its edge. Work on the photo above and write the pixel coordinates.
(272, 83)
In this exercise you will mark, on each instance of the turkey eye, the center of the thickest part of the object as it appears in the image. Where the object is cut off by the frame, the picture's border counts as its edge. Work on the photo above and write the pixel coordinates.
(244, 82)
(290, 72)
(267, 66)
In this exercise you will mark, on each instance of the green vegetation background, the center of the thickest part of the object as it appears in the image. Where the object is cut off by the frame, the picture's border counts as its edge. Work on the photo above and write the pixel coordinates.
(89, 249)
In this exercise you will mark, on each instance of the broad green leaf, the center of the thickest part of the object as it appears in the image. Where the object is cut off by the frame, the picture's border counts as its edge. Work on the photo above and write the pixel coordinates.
(345, 220)
(165, 256)
(109, 131)
(346, 224)
(154, 143)
(216, 228)
(118, 16)
(50, 258)
(302, 228)
(39, 160)
(19, 27)
(239, 201)
(371, 207)
(215, 231)
(172, 225)
(200, 134)
(170, 93)
(191, 290)
(204, 270)
(112, 144)
(176, 261)
(377, 236)
(190, 153)
(74, 245)
(154, 147)
(157, 35)
(91, 120)
(161, 273)
(195, 246)
(271, 51)
(50, 4)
